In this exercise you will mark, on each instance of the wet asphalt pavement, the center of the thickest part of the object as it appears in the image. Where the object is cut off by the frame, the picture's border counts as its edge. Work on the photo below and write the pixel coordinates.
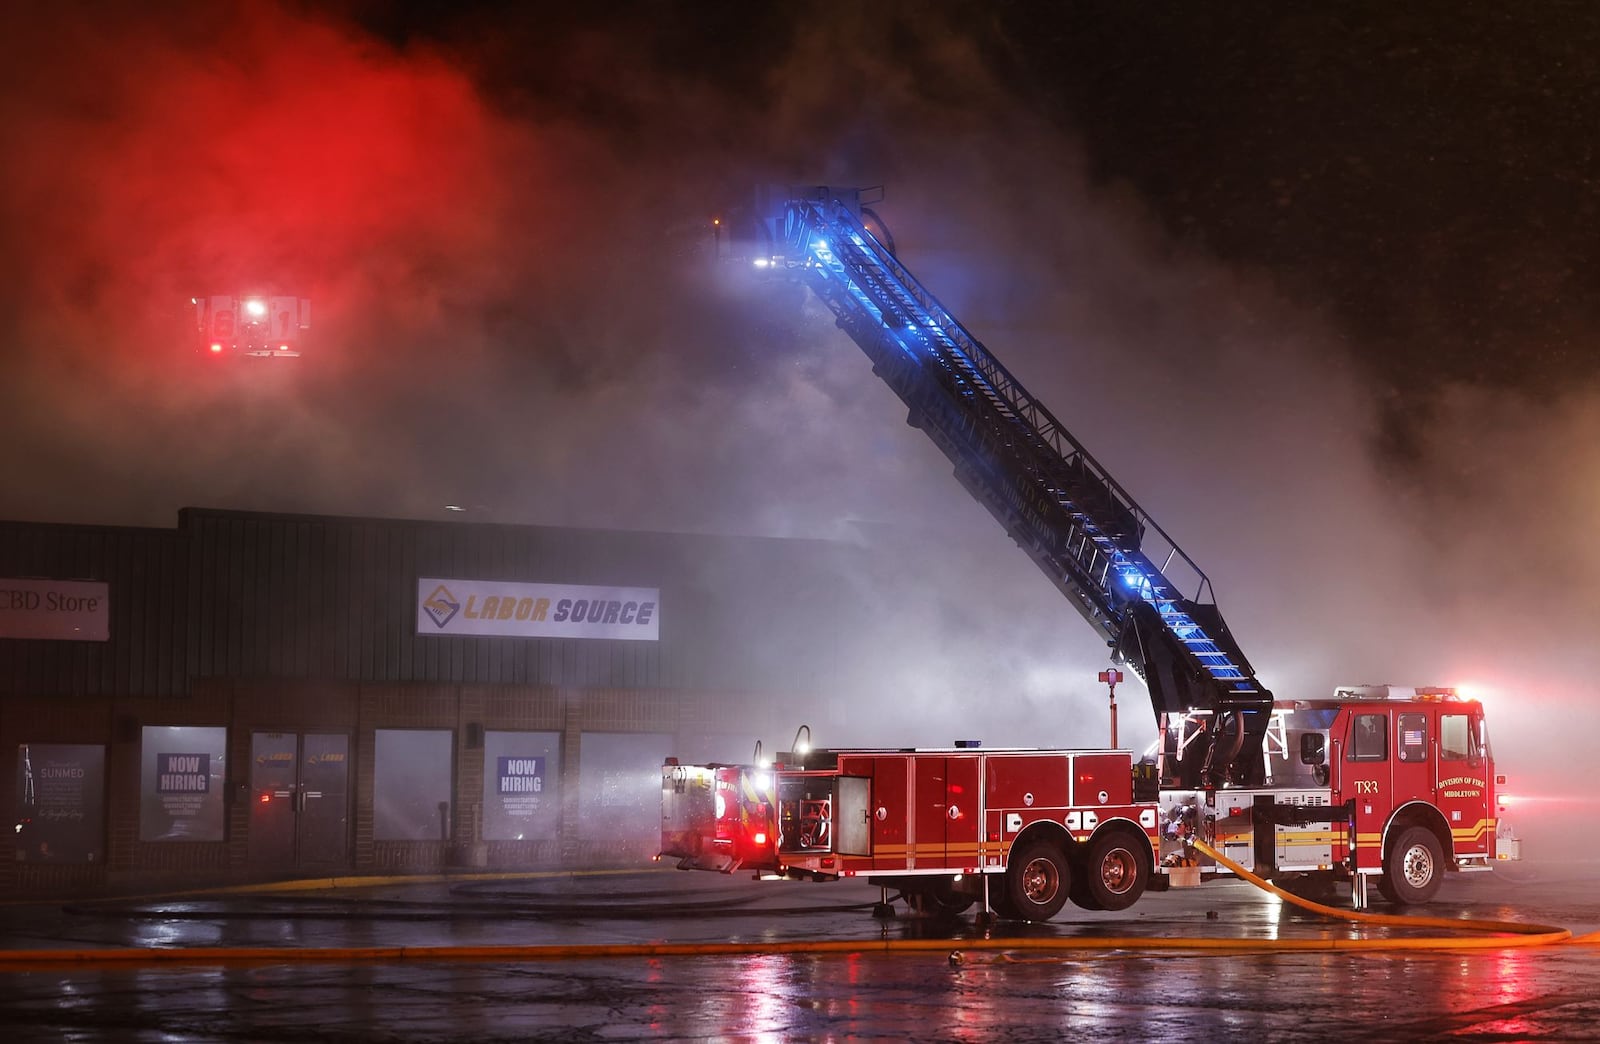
(1110, 980)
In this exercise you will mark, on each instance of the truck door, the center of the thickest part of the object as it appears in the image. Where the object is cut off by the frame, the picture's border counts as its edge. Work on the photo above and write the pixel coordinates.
(1414, 772)
(946, 803)
(929, 802)
(1364, 779)
(962, 813)
(889, 813)
(1463, 793)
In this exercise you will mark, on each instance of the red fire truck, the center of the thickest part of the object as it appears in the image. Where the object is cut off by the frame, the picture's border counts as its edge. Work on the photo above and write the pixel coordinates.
(935, 824)
(264, 326)
(1374, 783)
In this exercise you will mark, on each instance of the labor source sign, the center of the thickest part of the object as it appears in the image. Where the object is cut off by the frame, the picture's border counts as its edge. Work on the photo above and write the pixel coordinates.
(501, 609)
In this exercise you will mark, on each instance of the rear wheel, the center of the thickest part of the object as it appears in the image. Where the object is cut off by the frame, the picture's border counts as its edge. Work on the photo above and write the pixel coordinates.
(1413, 869)
(1079, 892)
(1038, 881)
(1116, 870)
(999, 902)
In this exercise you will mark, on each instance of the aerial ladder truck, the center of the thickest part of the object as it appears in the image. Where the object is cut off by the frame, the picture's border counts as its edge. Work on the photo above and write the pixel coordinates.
(1278, 785)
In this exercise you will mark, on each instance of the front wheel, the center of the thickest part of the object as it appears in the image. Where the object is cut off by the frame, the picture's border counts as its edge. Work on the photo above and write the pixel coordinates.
(1413, 869)
(1038, 881)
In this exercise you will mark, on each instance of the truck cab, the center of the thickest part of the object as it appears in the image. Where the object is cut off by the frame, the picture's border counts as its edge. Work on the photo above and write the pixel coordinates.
(1378, 783)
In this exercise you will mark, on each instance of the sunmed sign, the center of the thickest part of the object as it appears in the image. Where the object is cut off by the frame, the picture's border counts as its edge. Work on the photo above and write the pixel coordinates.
(499, 609)
(66, 610)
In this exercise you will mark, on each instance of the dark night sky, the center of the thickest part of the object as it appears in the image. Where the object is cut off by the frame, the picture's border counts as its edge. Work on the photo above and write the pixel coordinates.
(1317, 282)
(1426, 173)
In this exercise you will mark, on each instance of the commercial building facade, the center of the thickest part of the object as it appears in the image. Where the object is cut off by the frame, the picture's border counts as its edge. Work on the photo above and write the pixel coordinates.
(252, 695)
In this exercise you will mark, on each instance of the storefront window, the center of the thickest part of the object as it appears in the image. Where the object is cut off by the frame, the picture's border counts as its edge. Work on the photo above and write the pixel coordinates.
(521, 786)
(61, 790)
(182, 769)
(411, 784)
(620, 780)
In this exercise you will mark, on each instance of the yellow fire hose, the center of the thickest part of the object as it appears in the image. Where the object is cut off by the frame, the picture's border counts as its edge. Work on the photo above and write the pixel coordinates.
(1491, 935)
(1523, 934)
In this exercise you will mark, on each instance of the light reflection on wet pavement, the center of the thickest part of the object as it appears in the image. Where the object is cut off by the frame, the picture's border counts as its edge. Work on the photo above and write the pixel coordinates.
(952, 994)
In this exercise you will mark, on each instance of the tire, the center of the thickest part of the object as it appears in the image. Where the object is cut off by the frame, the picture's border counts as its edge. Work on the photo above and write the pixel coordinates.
(1116, 872)
(1413, 869)
(1001, 905)
(1038, 881)
(1079, 893)
(948, 899)
(937, 897)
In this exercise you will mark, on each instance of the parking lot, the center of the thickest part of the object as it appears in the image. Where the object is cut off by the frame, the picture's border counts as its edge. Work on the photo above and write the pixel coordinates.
(669, 955)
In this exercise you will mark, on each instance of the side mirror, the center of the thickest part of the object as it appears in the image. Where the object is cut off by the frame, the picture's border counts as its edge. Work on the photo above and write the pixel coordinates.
(1312, 750)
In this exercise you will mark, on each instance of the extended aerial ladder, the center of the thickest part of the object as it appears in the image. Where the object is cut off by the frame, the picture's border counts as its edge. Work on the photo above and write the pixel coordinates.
(1118, 568)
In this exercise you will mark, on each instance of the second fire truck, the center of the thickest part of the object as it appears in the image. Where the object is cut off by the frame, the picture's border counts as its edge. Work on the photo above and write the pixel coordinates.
(1374, 784)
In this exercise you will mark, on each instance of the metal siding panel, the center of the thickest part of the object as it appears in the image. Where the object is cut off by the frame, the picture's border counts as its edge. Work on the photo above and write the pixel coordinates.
(237, 558)
(173, 617)
(396, 664)
(305, 606)
(347, 645)
(227, 594)
(264, 631)
(116, 556)
(191, 596)
(244, 557)
(138, 636)
(402, 563)
(371, 650)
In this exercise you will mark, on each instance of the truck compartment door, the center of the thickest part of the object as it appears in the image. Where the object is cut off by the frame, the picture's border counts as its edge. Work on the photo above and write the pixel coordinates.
(852, 816)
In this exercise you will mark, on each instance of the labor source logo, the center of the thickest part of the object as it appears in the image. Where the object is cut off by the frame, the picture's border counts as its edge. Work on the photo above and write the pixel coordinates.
(441, 606)
(505, 609)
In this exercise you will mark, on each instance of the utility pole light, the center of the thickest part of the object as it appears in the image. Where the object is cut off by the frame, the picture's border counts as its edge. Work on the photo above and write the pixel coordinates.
(1111, 676)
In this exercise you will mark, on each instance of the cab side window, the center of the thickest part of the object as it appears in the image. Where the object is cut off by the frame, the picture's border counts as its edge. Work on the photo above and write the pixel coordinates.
(1457, 741)
(1413, 737)
(1369, 738)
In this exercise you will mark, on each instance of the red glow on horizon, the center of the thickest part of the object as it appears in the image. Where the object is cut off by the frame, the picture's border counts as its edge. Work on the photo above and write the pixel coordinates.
(298, 153)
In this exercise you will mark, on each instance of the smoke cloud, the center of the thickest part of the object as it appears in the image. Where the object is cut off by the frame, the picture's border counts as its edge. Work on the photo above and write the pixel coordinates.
(515, 311)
